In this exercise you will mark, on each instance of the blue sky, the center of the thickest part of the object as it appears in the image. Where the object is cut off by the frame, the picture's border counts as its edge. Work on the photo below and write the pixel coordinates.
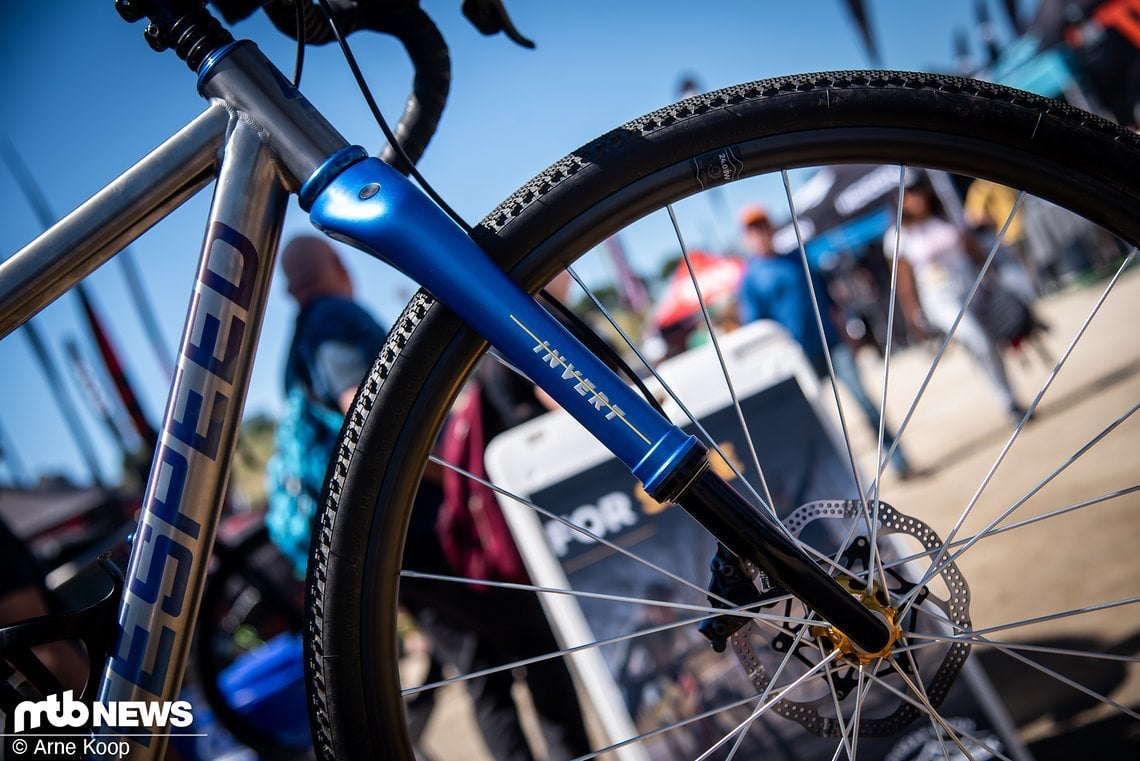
(85, 97)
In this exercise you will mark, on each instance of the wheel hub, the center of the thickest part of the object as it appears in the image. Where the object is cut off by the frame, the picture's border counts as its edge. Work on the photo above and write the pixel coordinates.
(873, 599)
(918, 651)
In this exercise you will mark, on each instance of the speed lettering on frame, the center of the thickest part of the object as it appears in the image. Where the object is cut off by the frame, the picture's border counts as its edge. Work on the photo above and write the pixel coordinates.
(168, 543)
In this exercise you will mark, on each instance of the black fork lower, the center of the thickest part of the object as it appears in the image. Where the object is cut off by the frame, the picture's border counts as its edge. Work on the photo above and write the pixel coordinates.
(755, 535)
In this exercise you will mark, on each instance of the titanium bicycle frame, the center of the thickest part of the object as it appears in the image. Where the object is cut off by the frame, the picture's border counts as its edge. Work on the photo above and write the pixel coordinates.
(264, 141)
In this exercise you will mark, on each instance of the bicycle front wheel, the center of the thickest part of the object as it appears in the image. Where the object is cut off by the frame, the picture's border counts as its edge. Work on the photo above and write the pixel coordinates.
(1002, 537)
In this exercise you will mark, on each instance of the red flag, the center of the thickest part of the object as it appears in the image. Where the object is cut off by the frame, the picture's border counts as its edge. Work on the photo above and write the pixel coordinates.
(717, 276)
(122, 384)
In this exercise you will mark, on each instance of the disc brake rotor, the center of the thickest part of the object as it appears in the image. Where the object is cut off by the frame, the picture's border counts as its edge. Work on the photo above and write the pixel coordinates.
(940, 609)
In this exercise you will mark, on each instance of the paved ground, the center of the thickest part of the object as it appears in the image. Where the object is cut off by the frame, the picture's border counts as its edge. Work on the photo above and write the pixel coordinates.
(1088, 556)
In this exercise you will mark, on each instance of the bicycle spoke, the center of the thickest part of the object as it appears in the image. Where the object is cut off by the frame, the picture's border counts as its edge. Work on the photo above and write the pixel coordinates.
(1055, 513)
(926, 700)
(988, 530)
(493, 353)
(936, 361)
(706, 437)
(931, 712)
(844, 742)
(731, 606)
(743, 611)
(720, 358)
(823, 339)
(951, 732)
(880, 463)
(407, 692)
(1036, 620)
(975, 640)
(873, 563)
(1066, 680)
(742, 728)
(860, 695)
(667, 728)
(977, 637)
(830, 373)
(579, 529)
(1019, 524)
(1032, 407)
(785, 690)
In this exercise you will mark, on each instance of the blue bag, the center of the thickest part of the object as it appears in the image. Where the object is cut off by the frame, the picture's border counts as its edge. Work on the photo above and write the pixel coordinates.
(295, 473)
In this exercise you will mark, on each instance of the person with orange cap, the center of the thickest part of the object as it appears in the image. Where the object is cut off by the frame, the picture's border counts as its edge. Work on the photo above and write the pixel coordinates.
(774, 288)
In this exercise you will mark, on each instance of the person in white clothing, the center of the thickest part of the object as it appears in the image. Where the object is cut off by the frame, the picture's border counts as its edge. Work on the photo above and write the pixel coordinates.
(938, 264)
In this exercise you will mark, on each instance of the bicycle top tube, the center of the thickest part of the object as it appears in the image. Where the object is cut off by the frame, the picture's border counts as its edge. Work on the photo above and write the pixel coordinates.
(247, 82)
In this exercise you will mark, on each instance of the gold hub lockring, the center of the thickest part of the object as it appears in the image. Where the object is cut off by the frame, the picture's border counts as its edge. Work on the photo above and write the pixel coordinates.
(834, 639)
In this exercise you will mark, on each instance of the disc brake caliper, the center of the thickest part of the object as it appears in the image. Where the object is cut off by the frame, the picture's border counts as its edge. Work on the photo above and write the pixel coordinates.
(739, 583)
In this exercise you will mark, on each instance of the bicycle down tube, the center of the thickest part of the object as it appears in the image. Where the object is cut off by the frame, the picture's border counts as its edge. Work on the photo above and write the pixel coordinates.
(184, 494)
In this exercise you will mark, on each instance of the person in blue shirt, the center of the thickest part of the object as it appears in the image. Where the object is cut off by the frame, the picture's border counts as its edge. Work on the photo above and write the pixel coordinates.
(333, 344)
(773, 287)
(335, 339)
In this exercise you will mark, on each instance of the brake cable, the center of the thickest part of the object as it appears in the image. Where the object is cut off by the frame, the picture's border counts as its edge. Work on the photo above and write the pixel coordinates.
(366, 91)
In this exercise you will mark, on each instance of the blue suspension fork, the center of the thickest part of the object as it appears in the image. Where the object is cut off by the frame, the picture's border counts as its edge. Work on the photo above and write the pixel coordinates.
(372, 207)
